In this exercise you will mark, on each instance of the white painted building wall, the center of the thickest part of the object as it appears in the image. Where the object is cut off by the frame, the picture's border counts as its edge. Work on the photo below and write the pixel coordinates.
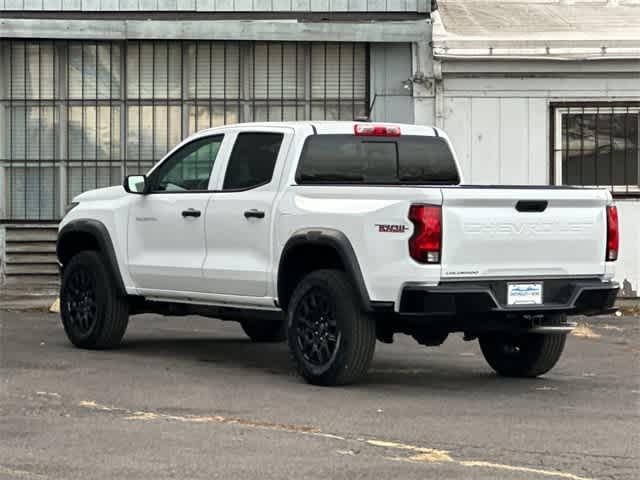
(628, 269)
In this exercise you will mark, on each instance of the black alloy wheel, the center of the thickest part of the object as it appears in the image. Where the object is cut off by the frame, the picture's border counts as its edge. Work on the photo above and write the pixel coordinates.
(318, 335)
(80, 304)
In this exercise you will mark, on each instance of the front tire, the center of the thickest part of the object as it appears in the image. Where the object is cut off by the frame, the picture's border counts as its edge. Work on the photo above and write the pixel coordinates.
(94, 316)
(331, 339)
(525, 355)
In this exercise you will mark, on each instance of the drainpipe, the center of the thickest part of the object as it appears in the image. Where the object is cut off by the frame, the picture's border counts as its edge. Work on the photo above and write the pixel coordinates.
(438, 93)
(438, 31)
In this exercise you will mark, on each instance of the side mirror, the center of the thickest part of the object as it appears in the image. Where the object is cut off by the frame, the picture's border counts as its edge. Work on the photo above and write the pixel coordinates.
(136, 184)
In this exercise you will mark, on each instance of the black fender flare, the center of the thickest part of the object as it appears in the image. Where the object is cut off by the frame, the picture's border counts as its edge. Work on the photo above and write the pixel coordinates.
(98, 231)
(341, 244)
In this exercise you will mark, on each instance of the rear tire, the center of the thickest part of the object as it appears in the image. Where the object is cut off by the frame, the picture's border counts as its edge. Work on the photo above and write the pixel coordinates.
(525, 355)
(265, 331)
(93, 314)
(331, 339)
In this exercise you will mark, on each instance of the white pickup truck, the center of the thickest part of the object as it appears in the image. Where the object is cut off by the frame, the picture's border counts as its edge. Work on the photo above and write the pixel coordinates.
(333, 234)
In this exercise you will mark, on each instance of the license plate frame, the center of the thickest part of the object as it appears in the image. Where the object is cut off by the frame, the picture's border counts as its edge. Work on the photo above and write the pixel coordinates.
(524, 293)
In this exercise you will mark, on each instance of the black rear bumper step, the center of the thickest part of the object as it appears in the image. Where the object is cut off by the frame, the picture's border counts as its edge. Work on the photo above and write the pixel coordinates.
(574, 297)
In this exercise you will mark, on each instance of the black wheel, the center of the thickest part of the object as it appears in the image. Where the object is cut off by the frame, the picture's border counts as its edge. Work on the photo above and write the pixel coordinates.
(526, 355)
(331, 339)
(93, 315)
(265, 331)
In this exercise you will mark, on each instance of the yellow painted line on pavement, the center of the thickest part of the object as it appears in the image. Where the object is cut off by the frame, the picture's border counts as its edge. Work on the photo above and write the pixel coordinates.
(424, 454)
(436, 458)
(55, 306)
(147, 415)
(420, 454)
(584, 331)
(21, 473)
(512, 468)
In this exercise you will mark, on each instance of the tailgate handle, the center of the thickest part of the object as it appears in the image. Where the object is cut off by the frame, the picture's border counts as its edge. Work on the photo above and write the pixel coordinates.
(532, 205)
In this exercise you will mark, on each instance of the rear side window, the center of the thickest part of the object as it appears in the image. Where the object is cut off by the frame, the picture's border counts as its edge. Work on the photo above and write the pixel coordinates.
(412, 159)
(252, 160)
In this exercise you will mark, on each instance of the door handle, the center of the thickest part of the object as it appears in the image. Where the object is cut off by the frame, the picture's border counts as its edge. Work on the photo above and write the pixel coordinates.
(253, 213)
(193, 213)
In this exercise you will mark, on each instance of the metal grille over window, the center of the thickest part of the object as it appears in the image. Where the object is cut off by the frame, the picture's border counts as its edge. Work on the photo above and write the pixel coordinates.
(29, 121)
(92, 156)
(75, 116)
(598, 146)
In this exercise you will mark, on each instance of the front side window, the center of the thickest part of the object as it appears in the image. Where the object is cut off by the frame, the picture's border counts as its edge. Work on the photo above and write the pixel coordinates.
(598, 146)
(189, 168)
(252, 160)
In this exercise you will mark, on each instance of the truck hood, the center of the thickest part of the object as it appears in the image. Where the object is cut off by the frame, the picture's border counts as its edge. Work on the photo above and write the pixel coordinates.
(108, 193)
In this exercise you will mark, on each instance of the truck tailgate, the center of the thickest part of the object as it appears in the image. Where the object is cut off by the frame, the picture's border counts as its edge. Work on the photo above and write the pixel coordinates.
(523, 232)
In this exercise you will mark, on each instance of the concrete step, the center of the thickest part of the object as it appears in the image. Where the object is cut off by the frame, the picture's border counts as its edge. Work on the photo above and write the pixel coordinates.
(28, 258)
(31, 225)
(31, 247)
(24, 304)
(11, 293)
(34, 284)
(36, 269)
(30, 234)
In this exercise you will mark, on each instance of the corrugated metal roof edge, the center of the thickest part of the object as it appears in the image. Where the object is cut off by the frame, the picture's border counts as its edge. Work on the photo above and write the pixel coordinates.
(565, 46)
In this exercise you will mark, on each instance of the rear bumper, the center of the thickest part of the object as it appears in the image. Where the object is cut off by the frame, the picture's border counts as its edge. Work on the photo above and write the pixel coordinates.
(574, 297)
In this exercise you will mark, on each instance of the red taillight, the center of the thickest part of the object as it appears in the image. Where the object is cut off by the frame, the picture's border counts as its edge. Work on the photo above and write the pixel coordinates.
(613, 233)
(425, 245)
(370, 130)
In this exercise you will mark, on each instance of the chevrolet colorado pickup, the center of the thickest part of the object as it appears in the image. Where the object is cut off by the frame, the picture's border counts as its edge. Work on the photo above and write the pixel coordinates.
(332, 235)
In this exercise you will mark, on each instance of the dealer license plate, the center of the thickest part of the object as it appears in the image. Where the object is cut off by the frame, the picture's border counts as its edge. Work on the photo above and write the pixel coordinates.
(524, 294)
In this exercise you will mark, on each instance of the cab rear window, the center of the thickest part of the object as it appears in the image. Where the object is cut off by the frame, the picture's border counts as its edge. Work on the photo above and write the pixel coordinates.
(349, 159)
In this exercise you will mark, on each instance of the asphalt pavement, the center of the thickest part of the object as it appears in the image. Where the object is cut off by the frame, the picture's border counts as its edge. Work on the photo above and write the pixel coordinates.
(193, 398)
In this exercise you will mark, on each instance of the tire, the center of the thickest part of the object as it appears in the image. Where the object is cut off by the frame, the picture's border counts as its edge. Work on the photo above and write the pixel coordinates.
(331, 339)
(94, 316)
(265, 331)
(526, 355)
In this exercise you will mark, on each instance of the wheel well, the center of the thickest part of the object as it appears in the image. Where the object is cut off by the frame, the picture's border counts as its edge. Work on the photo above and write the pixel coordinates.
(74, 242)
(300, 261)
(86, 234)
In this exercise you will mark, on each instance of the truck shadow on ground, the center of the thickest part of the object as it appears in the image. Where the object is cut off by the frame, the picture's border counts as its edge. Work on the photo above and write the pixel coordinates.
(444, 371)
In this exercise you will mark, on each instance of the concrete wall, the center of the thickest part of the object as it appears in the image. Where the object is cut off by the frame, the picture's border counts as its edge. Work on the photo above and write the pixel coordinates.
(222, 5)
(498, 117)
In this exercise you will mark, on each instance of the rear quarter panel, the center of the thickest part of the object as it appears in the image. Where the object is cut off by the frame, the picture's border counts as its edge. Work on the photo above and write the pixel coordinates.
(359, 213)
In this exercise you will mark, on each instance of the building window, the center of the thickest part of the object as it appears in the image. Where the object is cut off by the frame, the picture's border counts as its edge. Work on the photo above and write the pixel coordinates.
(597, 145)
(75, 116)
